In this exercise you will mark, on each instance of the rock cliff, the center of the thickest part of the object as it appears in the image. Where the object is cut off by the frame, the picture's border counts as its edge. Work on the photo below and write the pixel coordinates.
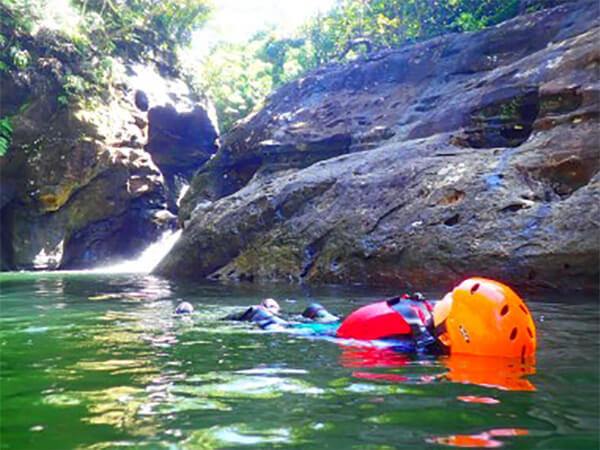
(473, 153)
(81, 184)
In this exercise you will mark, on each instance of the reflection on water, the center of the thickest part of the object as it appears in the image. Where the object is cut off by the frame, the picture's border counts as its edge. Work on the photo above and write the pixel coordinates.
(223, 384)
(502, 373)
(115, 367)
(49, 287)
(368, 356)
(486, 439)
(149, 258)
(241, 434)
(478, 399)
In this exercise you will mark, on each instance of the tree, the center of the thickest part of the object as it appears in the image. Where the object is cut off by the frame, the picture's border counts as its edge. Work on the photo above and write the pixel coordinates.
(143, 26)
(235, 78)
(274, 52)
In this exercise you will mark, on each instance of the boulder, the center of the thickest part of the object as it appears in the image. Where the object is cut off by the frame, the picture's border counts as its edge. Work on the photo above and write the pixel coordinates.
(469, 154)
(180, 142)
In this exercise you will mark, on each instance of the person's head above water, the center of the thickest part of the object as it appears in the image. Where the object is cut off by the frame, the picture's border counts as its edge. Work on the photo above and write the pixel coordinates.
(271, 305)
(184, 308)
(318, 313)
(484, 317)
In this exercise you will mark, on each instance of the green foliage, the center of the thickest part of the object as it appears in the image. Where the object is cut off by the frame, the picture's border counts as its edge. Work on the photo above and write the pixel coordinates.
(23, 14)
(62, 100)
(6, 132)
(391, 23)
(148, 24)
(86, 36)
(74, 85)
(468, 22)
(20, 58)
(139, 28)
(236, 79)
(276, 52)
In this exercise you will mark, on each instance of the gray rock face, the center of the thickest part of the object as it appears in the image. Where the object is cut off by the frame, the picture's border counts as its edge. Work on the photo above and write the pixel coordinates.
(180, 142)
(471, 154)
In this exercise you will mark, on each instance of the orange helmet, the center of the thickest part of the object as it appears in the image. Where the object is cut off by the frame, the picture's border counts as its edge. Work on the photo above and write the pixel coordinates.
(485, 317)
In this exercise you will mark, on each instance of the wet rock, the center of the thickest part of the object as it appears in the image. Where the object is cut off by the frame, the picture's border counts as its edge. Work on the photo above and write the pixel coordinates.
(180, 142)
(486, 163)
(78, 189)
(141, 100)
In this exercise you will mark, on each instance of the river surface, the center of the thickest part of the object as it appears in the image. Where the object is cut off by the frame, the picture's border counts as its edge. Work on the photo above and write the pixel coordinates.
(100, 361)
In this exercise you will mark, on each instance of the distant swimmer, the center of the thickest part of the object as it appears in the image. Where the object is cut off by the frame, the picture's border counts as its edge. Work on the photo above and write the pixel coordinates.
(316, 312)
(184, 308)
(264, 314)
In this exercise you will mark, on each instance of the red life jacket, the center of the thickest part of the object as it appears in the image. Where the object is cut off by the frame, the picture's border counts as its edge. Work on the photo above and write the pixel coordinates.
(396, 318)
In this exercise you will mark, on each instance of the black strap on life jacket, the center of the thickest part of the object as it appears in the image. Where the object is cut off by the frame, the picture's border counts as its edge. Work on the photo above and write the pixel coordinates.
(420, 334)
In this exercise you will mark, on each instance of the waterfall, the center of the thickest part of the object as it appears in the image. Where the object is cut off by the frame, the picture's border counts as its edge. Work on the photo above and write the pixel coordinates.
(149, 258)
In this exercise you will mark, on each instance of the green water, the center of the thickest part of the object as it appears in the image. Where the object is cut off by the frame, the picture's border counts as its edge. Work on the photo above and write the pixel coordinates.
(92, 361)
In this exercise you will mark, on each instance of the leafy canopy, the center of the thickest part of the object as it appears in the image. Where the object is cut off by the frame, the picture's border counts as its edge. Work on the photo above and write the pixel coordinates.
(113, 24)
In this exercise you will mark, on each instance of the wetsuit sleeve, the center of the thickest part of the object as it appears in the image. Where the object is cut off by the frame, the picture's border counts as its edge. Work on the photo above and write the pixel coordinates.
(265, 319)
(259, 316)
(244, 316)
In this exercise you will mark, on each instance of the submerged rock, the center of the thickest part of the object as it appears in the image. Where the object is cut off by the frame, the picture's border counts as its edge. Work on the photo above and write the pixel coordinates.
(467, 154)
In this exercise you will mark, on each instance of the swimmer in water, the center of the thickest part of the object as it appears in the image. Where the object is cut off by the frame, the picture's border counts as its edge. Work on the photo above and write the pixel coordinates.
(184, 308)
(315, 312)
(265, 314)
(478, 317)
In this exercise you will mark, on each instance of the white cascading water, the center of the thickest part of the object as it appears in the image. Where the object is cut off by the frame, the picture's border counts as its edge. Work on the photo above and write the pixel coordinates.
(149, 258)
(160, 91)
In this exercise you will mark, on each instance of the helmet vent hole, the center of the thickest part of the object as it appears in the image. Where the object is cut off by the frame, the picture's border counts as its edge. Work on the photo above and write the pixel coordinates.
(523, 354)
(504, 310)
(529, 332)
(523, 309)
(513, 334)
(474, 288)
